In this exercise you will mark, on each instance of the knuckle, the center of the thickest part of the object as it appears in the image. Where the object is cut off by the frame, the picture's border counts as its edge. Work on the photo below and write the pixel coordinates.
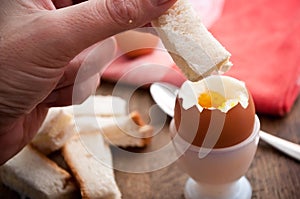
(123, 12)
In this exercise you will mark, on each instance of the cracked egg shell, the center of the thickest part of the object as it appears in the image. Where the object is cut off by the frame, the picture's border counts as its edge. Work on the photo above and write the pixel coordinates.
(226, 125)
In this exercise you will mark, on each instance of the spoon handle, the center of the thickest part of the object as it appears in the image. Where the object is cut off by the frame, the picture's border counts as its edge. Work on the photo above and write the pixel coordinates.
(289, 148)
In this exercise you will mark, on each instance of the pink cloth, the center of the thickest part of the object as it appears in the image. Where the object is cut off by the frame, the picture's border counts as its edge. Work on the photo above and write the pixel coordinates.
(142, 71)
(263, 38)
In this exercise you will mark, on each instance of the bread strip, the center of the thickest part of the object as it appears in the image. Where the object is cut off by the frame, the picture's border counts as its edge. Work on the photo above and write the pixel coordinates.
(98, 105)
(126, 131)
(31, 173)
(57, 128)
(193, 48)
(90, 161)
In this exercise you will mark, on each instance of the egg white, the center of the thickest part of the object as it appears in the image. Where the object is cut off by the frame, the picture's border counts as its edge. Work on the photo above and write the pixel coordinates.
(234, 91)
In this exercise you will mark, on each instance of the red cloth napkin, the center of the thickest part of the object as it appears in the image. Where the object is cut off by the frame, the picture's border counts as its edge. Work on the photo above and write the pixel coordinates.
(263, 37)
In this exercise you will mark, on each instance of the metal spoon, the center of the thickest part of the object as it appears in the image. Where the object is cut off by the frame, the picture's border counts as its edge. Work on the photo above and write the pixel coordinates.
(165, 94)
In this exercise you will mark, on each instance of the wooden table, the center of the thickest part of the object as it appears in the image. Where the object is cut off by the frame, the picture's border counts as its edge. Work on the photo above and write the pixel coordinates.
(272, 174)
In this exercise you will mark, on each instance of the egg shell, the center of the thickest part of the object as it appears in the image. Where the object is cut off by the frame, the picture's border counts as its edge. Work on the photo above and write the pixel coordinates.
(134, 44)
(229, 128)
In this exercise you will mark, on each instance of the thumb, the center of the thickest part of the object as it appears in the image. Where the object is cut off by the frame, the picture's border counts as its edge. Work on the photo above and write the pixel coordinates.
(86, 23)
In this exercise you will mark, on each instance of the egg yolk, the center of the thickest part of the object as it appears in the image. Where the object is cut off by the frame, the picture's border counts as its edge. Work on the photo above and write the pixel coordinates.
(211, 99)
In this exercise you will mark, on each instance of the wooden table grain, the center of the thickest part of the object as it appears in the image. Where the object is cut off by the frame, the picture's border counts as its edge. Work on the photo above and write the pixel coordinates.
(272, 174)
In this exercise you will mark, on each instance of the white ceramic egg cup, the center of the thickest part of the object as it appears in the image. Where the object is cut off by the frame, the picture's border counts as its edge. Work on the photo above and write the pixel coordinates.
(220, 174)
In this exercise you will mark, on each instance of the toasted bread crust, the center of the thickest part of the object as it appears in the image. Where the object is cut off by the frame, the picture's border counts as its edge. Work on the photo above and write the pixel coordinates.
(44, 178)
(96, 180)
(193, 48)
(136, 117)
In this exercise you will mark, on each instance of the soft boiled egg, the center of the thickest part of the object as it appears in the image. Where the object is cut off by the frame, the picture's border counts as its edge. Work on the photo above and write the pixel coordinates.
(215, 112)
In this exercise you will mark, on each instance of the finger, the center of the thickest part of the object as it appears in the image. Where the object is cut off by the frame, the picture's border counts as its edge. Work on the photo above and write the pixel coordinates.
(86, 23)
(73, 94)
(88, 63)
(147, 29)
(20, 132)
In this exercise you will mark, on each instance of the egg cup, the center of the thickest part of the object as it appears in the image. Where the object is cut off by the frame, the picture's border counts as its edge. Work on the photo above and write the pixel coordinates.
(216, 173)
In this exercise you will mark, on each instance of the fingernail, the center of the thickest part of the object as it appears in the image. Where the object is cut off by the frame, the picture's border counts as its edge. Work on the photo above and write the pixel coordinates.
(159, 2)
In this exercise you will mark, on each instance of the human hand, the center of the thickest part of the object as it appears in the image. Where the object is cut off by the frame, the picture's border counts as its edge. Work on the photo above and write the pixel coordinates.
(42, 49)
